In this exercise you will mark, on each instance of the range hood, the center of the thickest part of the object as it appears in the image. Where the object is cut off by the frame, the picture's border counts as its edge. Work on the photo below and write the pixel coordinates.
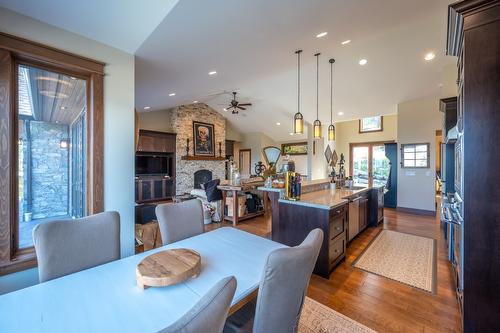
(452, 135)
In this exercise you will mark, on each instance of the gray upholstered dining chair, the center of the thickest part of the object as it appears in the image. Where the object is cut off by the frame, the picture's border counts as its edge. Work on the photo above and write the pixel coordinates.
(209, 313)
(282, 290)
(179, 221)
(68, 246)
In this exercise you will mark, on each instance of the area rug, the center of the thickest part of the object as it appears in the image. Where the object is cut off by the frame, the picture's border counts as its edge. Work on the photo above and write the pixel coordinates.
(318, 318)
(402, 257)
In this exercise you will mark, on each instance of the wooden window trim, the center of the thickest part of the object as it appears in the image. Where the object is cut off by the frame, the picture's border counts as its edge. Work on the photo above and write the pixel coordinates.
(14, 51)
(415, 144)
(373, 131)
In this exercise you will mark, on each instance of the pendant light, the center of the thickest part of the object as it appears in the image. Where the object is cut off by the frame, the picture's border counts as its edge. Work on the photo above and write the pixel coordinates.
(317, 123)
(298, 119)
(331, 128)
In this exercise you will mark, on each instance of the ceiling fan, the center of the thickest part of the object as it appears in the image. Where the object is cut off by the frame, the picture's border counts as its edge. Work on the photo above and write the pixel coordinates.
(235, 106)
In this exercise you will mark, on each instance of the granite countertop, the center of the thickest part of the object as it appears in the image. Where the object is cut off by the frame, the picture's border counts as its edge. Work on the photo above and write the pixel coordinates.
(326, 199)
(305, 183)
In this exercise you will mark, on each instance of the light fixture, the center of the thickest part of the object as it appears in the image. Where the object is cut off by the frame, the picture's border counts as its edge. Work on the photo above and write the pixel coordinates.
(341, 113)
(429, 56)
(53, 79)
(317, 123)
(147, 107)
(63, 108)
(53, 94)
(321, 34)
(225, 109)
(346, 42)
(64, 144)
(298, 118)
(291, 133)
(212, 73)
(331, 128)
(363, 62)
(278, 124)
(171, 94)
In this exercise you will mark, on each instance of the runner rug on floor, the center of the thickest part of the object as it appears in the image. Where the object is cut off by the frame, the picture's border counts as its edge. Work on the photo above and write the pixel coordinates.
(402, 257)
(318, 318)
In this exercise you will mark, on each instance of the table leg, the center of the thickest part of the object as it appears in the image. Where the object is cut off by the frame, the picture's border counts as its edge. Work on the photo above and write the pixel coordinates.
(236, 205)
(223, 205)
(265, 199)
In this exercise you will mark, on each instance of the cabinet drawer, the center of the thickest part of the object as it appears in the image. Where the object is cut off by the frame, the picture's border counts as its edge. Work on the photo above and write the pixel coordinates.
(337, 211)
(336, 250)
(336, 226)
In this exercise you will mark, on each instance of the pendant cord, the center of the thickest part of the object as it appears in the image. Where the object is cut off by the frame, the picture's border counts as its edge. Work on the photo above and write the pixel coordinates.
(317, 85)
(298, 80)
(331, 93)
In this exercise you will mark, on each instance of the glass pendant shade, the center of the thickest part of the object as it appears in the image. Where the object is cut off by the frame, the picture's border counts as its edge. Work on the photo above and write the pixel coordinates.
(331, 133)
(317, 129)
(298, 123)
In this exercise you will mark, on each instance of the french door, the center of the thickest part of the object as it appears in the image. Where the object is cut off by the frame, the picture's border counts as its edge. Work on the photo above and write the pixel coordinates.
(368, 164)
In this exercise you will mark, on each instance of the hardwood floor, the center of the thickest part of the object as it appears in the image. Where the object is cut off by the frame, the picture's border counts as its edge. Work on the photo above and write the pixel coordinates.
(378, 302)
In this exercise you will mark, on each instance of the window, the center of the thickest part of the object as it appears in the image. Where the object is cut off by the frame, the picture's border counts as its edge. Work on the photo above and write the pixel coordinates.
(51, 148)
(51, 143)
(371, 124)
(415, 155)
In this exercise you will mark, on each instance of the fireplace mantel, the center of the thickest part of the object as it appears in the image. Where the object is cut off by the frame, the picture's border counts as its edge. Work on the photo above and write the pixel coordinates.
(202, 158)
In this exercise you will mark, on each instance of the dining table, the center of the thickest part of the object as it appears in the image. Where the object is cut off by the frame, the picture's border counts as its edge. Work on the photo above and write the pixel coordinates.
(106, 298)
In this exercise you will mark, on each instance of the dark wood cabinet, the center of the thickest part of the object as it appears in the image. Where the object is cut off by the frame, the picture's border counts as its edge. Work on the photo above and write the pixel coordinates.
(474, 37)
(157, 142)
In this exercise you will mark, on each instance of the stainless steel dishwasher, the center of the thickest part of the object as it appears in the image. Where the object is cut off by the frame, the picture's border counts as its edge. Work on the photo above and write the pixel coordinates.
(353, 217)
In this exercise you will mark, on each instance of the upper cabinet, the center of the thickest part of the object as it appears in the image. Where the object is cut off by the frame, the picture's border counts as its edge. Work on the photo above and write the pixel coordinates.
(156, 142)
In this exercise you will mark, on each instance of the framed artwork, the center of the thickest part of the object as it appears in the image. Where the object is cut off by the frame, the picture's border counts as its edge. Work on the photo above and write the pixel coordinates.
(371, 124)
(295, 148)
(204, 139)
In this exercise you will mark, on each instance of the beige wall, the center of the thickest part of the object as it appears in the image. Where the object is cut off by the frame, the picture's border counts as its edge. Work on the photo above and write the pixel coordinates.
(232, 133)
(418, 121)
(255, 141)
(160, 121)
(348, 132)
(118, 124)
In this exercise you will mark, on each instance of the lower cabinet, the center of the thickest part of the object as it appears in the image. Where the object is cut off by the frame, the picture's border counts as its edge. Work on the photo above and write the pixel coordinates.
(338, 235)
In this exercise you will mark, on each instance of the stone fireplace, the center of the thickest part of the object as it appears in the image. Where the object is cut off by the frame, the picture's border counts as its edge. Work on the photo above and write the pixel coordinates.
(182, 123)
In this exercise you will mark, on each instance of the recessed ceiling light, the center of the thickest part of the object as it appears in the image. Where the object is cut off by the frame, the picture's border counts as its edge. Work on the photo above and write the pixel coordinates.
(429, 56)
(212, 73)
(291, 133)
(341, 113)
(63, 108)
(322, 34)
(147, 107)
(278, 124)
(225, 109)
(346, 42)
(195, 102)
(171, 94)
(363, 62)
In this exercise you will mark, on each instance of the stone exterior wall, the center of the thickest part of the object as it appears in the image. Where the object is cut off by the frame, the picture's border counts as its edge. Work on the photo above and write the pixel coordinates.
(182, 123)
(50, 170)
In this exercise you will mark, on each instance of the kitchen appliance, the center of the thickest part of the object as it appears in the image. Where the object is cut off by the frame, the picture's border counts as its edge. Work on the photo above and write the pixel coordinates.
(353, 217)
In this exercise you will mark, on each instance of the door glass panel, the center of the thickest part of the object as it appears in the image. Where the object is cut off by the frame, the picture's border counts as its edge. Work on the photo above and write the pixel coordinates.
(51, 148)
(360, 166)
(380, 166)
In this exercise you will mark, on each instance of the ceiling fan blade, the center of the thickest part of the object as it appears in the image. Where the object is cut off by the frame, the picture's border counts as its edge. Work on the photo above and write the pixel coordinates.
(241, 108)
(245, 104)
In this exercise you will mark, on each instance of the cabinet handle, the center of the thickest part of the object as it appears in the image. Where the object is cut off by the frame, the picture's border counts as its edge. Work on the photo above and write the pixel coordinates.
(338, 228)
(336, 251)
(338, 212)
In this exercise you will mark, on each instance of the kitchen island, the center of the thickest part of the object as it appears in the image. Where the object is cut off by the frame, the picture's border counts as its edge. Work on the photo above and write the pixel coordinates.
(341, 213)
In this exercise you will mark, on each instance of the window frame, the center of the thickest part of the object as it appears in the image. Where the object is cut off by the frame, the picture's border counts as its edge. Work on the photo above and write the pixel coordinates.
(381, 129)
(15, 51)
(428, 158)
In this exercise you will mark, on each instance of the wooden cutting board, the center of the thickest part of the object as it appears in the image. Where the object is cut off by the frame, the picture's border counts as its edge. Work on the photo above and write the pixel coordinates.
(168, 267)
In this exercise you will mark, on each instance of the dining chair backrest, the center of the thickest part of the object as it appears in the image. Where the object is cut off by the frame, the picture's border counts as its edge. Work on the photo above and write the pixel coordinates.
(68, 246)
(179, 221)
(283, 285)
(209, 313)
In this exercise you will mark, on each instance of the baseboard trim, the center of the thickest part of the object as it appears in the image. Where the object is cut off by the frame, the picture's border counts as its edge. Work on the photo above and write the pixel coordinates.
(416, 211)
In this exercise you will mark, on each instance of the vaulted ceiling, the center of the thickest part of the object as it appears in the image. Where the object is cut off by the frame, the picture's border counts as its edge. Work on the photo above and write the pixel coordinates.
(251, 45)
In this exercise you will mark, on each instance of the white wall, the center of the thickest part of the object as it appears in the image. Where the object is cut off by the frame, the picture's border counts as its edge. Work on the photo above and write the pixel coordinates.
(255, 141)
(418, 121)
(118, 123)
(160, 121)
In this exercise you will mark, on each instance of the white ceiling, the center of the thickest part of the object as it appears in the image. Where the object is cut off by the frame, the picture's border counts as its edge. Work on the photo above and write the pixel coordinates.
(123, 24)
(251, 45)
